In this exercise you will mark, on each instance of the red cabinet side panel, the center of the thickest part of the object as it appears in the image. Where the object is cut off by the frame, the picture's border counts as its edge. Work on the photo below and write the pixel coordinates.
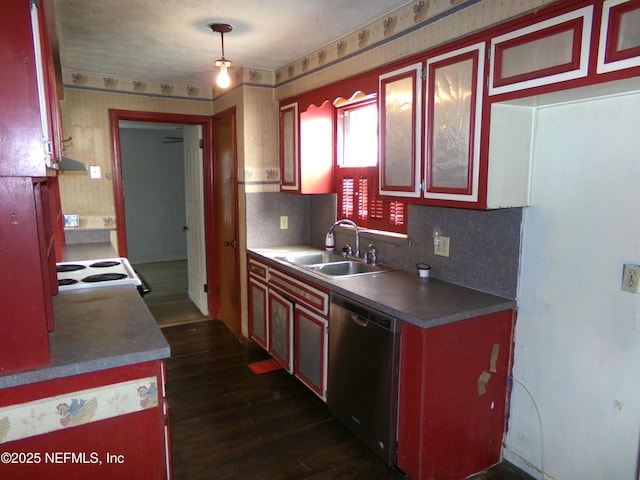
(453, 403)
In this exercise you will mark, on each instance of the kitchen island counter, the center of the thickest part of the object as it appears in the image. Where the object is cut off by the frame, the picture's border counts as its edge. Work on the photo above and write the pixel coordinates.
(97, 329)
(398, 293)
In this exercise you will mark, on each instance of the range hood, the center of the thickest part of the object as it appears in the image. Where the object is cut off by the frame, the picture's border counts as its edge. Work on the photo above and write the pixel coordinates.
(69, 164)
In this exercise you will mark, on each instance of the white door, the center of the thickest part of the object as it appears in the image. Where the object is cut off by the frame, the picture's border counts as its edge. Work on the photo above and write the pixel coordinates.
(194, 191)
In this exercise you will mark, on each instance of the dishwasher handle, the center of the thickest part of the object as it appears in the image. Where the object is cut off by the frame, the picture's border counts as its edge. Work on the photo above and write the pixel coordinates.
(365, 315)
(358, 320)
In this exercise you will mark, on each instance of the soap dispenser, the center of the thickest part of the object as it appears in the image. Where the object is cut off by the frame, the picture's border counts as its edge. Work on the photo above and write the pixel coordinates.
(329, 242)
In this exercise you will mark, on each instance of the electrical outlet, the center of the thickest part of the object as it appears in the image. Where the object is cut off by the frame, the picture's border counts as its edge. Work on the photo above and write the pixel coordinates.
(284, 222)
(630, 278)
(441, 246)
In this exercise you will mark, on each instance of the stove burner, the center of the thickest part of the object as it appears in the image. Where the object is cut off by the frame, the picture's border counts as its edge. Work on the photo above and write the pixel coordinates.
(104, 264)
(104, 277)
(66, 281)
(69, 267)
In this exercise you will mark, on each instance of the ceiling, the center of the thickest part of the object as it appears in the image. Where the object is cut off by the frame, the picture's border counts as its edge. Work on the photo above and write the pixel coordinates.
(169, 41)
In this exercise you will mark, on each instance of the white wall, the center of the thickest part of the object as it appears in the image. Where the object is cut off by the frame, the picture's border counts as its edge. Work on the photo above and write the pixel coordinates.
(577, 357)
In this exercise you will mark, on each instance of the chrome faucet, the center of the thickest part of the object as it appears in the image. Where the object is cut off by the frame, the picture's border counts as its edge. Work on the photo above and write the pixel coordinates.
(345, 221)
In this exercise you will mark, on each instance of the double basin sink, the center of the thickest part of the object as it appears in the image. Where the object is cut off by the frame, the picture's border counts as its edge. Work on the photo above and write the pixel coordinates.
(332, 264)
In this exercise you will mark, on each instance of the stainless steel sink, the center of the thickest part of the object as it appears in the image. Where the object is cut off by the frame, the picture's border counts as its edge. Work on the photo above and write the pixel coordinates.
(312, 258)
(346, 268)
(332, 264)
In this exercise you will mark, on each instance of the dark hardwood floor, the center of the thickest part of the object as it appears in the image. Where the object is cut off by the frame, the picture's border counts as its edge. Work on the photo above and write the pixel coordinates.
(228, 423)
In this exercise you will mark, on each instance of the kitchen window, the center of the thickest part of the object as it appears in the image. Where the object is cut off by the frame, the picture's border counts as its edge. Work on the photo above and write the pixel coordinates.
(357, 170)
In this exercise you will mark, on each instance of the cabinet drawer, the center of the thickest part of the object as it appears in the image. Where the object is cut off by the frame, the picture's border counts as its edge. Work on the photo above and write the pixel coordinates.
(257, 269)
(301, 292)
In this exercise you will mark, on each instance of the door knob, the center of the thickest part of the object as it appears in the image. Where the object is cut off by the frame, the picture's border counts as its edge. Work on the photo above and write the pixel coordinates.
(185, 228)
(231, 244)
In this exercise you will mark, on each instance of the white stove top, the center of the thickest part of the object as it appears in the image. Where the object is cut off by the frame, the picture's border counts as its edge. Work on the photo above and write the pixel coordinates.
(96, 273)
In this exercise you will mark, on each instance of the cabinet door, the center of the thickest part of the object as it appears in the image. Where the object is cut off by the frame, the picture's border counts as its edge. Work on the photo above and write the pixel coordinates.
(551, 51)
(42, 192)
(310, 350)
(25, 287)
(50, 117)
(258, 327)
(619, 46)
(316, 149)
(453, 116)
(22, 153)
(280, 329)
(289, 151)
(400, 117)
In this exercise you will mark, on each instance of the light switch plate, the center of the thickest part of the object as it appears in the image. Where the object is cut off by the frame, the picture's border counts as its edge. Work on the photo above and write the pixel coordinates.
(94, 172)
(284, 222)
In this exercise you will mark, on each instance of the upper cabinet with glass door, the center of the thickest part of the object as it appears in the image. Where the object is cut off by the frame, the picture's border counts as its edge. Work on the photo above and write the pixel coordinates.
(400, 116)
(452, 124)
(547, 52)
(619, 46)
(289, 147)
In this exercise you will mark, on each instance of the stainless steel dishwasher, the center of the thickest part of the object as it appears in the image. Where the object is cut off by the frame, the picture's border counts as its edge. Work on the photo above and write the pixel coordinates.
(362, 392)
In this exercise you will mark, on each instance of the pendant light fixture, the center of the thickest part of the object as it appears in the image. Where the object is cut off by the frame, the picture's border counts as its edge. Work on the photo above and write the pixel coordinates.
(222, 79)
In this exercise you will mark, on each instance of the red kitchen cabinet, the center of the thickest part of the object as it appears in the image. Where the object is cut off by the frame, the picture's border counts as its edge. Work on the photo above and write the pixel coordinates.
(289, 147)
(258, 311)
(258, 308)
(306, 148)
(289, 319)
(452, 126)
(25, 284)
(31, 231)
(55, 217)
(280, 321)
(102, 425)
(453, 390)
(400, 117)
(311, 350)
(551, 51)
(50, 114)
(619, 46)
(30, 125)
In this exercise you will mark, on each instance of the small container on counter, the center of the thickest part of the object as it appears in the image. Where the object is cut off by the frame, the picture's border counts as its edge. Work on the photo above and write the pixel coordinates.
(424, 271)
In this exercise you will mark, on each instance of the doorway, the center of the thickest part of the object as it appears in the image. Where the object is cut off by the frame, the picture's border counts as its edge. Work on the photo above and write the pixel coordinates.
(153, 177)
(170, 220)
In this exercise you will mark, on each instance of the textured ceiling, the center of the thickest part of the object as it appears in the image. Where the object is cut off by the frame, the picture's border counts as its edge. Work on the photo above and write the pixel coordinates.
(169, 41)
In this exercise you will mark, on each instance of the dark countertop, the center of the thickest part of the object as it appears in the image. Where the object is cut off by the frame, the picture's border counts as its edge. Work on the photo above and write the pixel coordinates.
(399, 293)
(97, 329)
